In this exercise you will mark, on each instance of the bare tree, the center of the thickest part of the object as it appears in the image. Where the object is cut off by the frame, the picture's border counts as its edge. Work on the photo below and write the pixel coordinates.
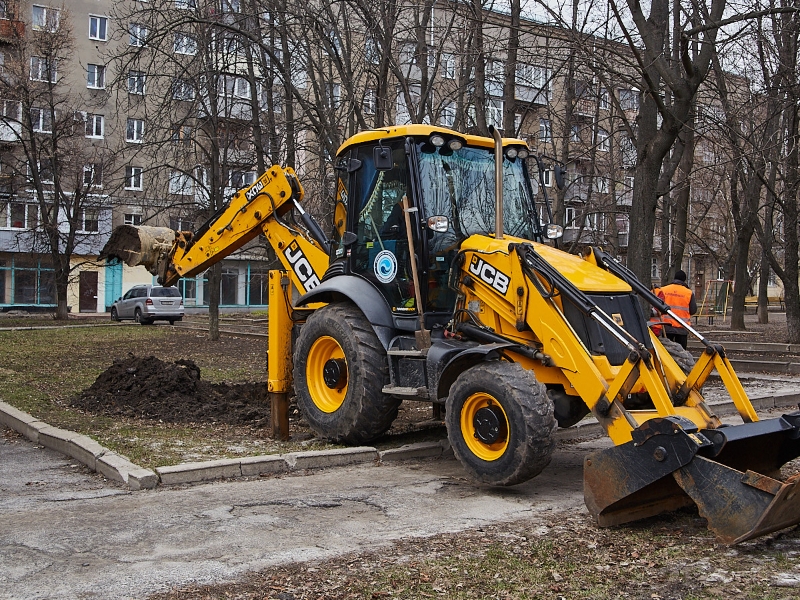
(55, 176)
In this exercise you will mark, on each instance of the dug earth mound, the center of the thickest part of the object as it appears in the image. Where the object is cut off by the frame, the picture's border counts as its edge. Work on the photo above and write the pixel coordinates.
(146, 387)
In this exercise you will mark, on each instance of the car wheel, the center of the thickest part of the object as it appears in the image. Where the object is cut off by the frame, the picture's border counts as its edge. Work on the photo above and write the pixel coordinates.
(500, 423)
(172, 321)
(114, 315)
(137, 316)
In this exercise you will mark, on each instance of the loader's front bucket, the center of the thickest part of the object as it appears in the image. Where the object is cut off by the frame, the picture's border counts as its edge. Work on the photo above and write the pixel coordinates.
(730, 473)
(141, 245)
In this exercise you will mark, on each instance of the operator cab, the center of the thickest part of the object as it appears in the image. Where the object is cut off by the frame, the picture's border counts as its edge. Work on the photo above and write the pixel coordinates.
(449, 182)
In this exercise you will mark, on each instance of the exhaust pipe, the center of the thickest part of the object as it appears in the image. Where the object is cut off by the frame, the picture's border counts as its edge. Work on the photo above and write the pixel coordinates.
(498, 182)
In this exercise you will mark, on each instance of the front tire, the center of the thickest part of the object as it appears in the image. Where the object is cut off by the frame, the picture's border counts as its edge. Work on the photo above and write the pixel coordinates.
(114, 315)
(340, 369)
(500, 423)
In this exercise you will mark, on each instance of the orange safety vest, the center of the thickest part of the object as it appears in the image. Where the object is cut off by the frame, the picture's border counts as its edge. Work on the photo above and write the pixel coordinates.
(678, 298)
(655, 319)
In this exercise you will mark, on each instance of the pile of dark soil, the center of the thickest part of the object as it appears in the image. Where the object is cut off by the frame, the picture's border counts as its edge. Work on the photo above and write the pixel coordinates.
(173, 392)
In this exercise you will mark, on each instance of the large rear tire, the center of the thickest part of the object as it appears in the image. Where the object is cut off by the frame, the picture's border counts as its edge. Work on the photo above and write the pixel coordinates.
(681, 356)
(500, 423)
(340, 369)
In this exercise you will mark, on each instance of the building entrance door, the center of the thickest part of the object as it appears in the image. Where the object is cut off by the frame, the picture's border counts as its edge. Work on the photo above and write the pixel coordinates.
(87, 291)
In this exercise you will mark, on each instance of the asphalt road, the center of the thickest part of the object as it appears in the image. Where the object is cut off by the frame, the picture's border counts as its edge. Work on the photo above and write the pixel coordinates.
(67, 533)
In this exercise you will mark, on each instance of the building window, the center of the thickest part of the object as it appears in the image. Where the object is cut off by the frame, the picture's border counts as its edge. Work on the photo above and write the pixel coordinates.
(569, 217)
(180, 183)
(602, 184)
(4, 14)
(93, 175)
(182, 90)
(95, 126)
(90, 221)
(655, 268)
(133, 178)
(448, 62)
(370, 101)
(98, 28)
(134, 131)
(45, 18)
(41, 120)
(495, 77)
(603, 141)
(241, 179)
(44, 169)
(182, 134)
(96, 76)
(545, 131)
(547, 177)
(604, 103)
(136, 82)
(372, 53)
(11, 110)
(138, 34)
(181, 223)
(185, 4)
(234, 87)
(184, 44)
(575, 134)
(18, 215)
(43, 69)
(629, 99)
(448, 118)
(494, 112)
(133, 219)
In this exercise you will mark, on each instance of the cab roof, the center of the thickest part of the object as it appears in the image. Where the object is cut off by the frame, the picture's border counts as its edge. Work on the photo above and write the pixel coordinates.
(417, 130)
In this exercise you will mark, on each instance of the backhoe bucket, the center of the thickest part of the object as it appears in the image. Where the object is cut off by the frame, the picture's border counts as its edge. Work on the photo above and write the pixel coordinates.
(730, 473)
(141, 245)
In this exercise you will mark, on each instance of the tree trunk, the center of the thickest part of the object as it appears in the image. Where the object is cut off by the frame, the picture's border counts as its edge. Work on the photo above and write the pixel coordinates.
(61, 276)
(763, 281)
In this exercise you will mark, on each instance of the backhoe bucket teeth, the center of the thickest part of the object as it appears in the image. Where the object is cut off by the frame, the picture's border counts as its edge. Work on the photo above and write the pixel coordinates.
(670, 464)
(141, 245)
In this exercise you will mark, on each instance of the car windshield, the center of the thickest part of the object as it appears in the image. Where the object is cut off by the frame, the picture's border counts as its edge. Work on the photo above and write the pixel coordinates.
(460, 185)
(169, 292)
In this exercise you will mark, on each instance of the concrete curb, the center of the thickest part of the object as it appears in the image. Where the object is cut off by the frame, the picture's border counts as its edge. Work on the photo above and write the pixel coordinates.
(80, 447)
(118, 468)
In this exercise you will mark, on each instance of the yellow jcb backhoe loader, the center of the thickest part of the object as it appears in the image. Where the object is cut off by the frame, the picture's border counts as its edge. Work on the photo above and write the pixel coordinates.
(439, 283)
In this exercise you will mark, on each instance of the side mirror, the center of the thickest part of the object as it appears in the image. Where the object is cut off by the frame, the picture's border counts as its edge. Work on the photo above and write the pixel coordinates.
(553, 231)
(382, 157)
(349, 238)
(438, 223)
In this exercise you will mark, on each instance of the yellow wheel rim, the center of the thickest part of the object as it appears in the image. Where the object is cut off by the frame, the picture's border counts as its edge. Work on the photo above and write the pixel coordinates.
(471, 409)
(326, 398)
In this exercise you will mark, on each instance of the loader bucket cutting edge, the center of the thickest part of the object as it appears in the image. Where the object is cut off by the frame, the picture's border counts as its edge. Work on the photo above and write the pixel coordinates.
(142, 245)
(670, 467)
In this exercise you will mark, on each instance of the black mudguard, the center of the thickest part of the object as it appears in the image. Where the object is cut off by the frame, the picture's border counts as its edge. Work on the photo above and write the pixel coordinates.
(452, 358)
(361, 293)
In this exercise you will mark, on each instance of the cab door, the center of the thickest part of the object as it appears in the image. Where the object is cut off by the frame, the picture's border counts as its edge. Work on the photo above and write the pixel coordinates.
(380, 253)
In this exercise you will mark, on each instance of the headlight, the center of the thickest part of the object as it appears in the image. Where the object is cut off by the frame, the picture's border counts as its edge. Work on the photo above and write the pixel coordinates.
(437, 140)
(455, 145)
(511, 153)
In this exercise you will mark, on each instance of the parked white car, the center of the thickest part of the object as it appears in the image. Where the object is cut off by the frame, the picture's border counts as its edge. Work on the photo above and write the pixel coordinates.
(148, 303)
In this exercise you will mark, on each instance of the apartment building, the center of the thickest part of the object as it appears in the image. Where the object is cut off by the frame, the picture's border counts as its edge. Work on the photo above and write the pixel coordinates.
(155, 112)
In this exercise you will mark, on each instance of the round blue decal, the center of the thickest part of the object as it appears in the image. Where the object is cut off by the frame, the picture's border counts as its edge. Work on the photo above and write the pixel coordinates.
(385, 266)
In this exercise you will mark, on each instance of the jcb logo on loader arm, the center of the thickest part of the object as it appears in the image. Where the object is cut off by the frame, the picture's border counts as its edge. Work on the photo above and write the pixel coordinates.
(301, 266)
(488, 274)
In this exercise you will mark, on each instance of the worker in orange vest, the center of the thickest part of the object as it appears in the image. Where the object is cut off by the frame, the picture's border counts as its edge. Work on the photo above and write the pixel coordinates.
(655, 317)
(681, 300)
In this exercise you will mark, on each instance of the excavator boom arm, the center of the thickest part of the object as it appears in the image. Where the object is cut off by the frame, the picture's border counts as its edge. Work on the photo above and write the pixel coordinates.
(257, 209)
